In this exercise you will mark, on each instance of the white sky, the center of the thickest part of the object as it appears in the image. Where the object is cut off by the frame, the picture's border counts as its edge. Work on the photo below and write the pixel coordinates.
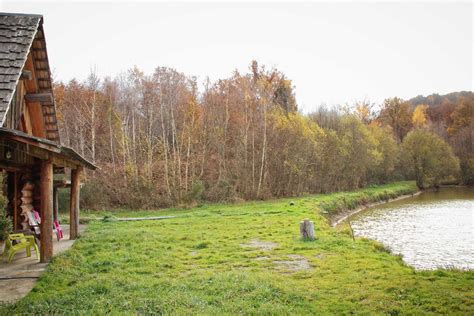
(333, 52)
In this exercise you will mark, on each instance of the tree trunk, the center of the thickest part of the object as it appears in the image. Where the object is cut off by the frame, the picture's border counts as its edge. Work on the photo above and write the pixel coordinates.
(165, 146)
(111, 138)
(188, 153)
(176, 152)
(264, 149)
(93, 127)
(134, 147)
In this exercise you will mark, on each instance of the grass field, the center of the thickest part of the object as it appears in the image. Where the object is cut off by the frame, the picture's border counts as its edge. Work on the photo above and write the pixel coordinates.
(242, 258)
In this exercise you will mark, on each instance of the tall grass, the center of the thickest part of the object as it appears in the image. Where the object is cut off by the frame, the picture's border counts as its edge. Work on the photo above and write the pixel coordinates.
(339, 202)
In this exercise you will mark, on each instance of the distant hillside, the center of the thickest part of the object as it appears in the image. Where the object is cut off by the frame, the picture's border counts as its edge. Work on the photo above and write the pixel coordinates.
(437, 100)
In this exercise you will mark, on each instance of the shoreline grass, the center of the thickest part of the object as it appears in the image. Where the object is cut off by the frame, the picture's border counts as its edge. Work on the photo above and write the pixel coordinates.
(331, 204)
(242, 258)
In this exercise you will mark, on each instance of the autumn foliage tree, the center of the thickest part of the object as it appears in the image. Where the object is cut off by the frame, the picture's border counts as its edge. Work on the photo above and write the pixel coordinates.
(160, 139)
(428, 158)
(461, 137)
(397, 114)
(419, 118)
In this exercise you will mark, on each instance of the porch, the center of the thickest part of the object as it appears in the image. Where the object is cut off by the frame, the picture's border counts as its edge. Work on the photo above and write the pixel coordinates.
(19, 277)
(30, 163)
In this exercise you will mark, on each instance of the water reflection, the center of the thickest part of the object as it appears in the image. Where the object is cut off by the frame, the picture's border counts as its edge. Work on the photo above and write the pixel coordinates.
(432, 230)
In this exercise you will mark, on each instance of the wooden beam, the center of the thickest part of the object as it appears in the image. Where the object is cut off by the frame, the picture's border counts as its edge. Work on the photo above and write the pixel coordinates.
(46, 193)
(31, 85)
(26, 118)
(37, 122)
(34, 144)
(62, 162)
(26, 75)
(39, 97)
(12, 167)
(37, 152)
(74, 203)
(62, 184)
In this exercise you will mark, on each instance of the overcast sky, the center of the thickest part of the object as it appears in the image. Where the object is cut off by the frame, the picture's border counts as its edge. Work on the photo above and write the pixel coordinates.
(334, 53)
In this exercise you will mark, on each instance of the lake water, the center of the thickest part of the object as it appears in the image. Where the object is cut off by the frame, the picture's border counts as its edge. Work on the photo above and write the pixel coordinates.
(431, 230)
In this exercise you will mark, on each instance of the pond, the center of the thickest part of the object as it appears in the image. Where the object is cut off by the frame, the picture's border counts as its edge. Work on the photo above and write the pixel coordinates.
(431, 230)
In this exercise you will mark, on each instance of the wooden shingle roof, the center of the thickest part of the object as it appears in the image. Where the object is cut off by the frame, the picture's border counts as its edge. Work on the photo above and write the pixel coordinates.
(20, 34)
(16, 36)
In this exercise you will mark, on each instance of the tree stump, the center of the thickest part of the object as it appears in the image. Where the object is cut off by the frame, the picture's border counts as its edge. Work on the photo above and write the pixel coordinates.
(307, 230)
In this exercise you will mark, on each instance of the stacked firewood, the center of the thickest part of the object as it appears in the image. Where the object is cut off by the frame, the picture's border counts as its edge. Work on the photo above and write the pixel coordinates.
(26, 203)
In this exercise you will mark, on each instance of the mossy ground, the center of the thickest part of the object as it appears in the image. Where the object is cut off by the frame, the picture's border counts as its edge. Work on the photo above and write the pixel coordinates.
(196, 263)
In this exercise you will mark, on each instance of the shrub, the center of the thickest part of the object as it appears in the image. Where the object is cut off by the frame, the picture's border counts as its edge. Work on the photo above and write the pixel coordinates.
(3, 202)
(222, 191)
(5, 222)
(196, 192)
(5, 226)
(94, 195)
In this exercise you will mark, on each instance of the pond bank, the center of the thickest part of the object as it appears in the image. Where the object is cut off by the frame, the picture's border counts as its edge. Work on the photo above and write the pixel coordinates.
(344, 215)
(337, 207)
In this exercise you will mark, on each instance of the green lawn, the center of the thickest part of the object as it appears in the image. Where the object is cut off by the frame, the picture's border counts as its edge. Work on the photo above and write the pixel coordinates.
(202, 262)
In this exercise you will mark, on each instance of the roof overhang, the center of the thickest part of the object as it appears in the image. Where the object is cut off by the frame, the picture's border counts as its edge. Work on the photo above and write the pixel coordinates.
(61, 156)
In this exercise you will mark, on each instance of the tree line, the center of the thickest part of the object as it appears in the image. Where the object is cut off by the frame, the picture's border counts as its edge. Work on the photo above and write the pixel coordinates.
(161, 141)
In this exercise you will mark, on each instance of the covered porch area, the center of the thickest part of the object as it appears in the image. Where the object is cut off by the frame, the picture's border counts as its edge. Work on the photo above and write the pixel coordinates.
(29, 164)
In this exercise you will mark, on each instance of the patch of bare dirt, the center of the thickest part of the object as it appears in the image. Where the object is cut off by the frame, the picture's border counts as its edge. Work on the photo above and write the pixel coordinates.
(294, 264)
(259, 244)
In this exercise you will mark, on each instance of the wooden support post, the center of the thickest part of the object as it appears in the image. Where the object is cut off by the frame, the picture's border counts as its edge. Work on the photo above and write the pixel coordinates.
(307, 230)
(74, 203)
(46, 190)
(55, 204)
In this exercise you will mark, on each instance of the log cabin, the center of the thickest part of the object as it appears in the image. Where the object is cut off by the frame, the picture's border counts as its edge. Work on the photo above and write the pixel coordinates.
(30, 149)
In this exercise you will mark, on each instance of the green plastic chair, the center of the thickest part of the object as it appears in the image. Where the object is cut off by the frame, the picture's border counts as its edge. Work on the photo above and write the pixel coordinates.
(22, 242)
